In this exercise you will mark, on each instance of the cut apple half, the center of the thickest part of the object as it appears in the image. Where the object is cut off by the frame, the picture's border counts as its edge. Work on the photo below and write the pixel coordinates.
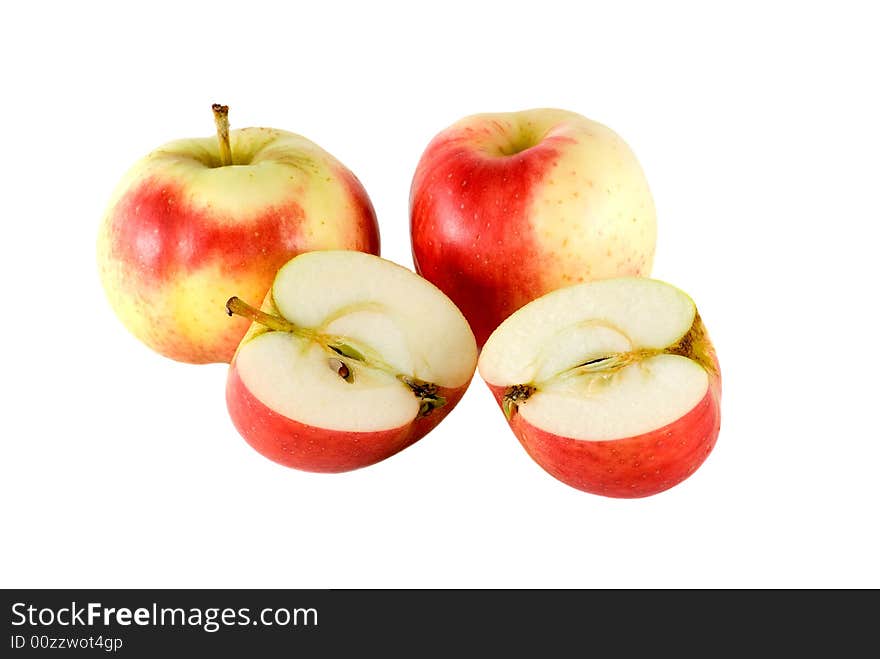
(350, 359)
(612, 386)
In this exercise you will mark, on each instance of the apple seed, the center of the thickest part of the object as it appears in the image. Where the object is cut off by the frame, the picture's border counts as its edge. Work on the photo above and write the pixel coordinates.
(341, 369)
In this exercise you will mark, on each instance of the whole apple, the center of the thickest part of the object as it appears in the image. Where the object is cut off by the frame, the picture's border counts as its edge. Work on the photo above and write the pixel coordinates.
(199, 220)
(506, 207)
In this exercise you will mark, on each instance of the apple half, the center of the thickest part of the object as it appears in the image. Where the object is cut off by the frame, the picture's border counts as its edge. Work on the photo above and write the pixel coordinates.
(613, 386)
(351, 359)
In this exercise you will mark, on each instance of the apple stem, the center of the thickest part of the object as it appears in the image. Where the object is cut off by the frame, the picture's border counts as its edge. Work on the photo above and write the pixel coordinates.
(221, 119)
(237, 306)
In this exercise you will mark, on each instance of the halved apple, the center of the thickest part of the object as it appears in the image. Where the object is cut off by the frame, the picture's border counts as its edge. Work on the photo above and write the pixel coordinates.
(351, 359)
(613, 387)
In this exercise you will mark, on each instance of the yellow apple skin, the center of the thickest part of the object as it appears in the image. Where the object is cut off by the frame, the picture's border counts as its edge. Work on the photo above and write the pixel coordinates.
(506, 207)
(182, 234)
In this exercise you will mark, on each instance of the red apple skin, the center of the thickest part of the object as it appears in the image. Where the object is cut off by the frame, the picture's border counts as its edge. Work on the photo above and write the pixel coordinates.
(486, 262)
(308, 448)
(169, 265)
(628, 468)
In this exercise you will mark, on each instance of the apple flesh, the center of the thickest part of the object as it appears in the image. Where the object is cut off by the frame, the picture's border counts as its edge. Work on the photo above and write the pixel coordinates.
(185, 230)
(613, 387)
(350, 359)
(507, 207)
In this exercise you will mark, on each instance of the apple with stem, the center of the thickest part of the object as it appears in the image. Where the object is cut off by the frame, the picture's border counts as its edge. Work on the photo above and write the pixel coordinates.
(351, 359)
(199, 220)
(613, 387)
(506, 207)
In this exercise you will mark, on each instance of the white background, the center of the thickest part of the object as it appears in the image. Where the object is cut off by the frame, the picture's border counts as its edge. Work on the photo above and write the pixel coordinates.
(758, 127)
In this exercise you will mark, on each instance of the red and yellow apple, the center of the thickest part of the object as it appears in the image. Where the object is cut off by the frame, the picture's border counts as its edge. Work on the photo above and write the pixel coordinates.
(613, 386)
(199, 220)
(506, 207)
(350, 359)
